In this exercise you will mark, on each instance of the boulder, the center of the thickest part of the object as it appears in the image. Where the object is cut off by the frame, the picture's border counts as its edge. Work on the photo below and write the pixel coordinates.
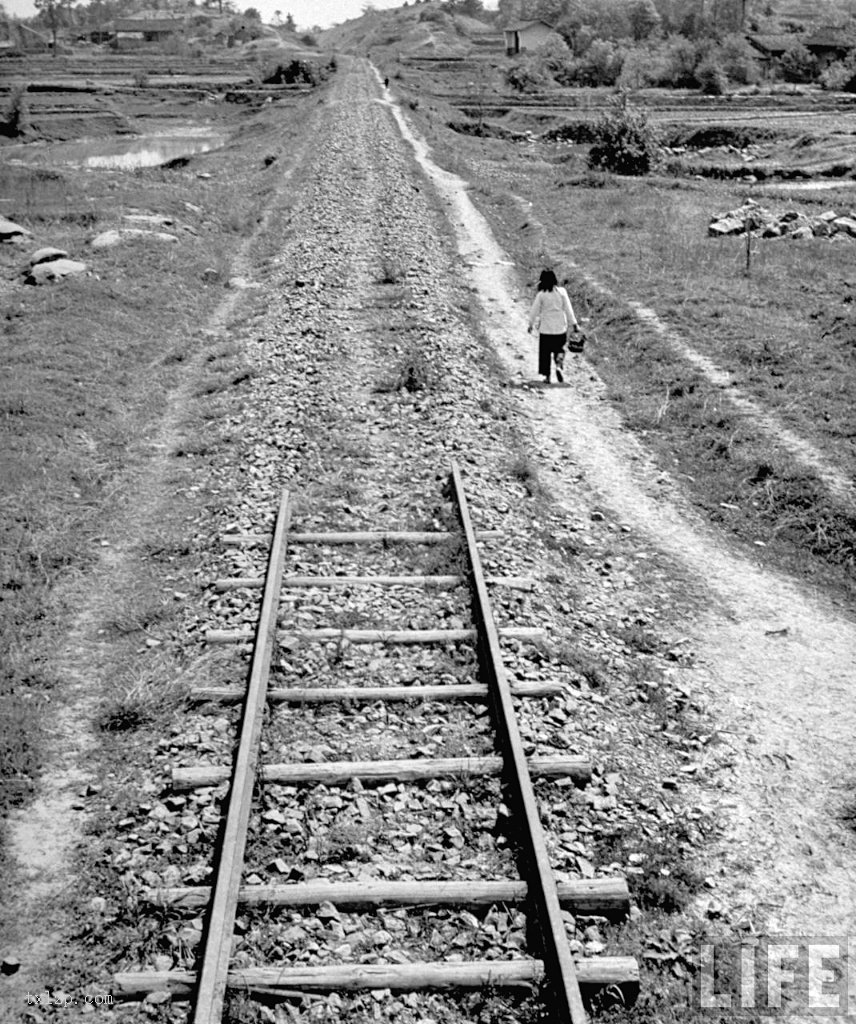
(726, 226)
(845, 224)
(47, 254)
(821, 228)
(55, 270)
(828, 216)
(107, 239)
(156, 220)
(803, 231)
(10, 231)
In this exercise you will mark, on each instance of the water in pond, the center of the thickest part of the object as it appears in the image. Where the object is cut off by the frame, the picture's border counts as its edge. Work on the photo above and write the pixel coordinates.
(115, 154)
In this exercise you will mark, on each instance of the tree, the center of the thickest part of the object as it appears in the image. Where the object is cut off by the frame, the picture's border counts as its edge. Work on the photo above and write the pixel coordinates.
(644, 18)
(601, 64)
(510, 11)
(289, 23)
(252, 14)
(798, 64)
(470, 8)
(51, 12)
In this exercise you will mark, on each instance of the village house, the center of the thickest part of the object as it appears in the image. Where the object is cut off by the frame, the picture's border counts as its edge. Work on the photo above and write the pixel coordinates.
(828, 45)
(769, 49)
(528, 35)
(146, 29)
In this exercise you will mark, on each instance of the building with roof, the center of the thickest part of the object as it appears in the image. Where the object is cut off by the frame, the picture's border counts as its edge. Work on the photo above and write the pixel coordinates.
(146, 29)
(528, 35)
(770, 48)
(830, 44)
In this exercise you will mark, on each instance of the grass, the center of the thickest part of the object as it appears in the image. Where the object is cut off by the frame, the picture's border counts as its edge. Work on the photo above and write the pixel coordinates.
(524, 470)
(86, 371)
(414, 371)
(785, 334)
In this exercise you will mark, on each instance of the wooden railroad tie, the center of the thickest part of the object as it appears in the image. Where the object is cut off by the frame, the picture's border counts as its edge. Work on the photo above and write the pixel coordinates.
(375, 636)
(359, 537)
(299, 582)
(601, 897)
(334, 773)
(289, 982)
(326, 695)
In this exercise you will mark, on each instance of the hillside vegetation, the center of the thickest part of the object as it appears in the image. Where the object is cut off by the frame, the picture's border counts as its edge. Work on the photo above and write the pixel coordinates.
(630, 43)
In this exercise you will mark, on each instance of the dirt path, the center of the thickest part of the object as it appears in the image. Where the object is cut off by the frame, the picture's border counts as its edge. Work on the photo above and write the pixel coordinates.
(778, 662)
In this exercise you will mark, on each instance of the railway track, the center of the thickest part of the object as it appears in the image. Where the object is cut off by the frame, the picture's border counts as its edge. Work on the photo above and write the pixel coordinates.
(236, 893)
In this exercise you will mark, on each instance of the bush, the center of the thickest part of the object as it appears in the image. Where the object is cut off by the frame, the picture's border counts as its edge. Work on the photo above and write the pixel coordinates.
(712, 80)
(15, 116)
(298, 71)
(840, 76)
(557, 60)
(638, 70)
(798, 64)
(625, 142)
(526, 76)
(737, 60)
(601, 64)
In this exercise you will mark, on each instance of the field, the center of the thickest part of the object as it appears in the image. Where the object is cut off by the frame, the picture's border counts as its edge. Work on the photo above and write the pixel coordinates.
(783, 334)
(87, 367)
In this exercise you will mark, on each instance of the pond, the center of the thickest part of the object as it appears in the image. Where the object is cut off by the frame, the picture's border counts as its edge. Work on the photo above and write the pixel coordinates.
(116, 154)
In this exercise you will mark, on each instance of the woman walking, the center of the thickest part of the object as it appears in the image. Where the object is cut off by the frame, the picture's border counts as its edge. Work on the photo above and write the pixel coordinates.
(553, 314)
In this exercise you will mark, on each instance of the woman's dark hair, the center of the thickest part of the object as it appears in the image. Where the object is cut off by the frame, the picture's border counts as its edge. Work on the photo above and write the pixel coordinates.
(547, 281)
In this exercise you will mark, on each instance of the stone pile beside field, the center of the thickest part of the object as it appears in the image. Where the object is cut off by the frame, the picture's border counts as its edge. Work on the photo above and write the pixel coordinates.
(791, 224)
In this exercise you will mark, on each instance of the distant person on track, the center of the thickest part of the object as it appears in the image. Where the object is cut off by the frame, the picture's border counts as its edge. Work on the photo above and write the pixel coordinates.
(552, 313)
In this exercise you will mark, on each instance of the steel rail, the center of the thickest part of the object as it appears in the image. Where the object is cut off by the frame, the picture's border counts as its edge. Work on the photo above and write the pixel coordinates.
(561, 972)
(213, 975)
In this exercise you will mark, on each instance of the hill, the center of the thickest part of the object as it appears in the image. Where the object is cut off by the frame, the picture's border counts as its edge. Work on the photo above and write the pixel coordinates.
(425, 29)
(813, 13)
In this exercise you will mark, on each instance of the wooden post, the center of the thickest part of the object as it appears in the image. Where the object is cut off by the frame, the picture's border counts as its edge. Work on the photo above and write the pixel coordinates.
(747, 224)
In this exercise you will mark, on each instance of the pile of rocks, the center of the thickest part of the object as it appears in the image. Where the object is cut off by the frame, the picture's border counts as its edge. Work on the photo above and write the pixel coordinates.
(790, 224)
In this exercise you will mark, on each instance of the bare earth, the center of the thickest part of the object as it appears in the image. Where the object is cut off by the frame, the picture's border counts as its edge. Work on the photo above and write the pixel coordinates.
(776, 664)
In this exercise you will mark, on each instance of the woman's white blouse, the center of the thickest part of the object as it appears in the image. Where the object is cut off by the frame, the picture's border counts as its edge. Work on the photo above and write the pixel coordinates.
(552, 312)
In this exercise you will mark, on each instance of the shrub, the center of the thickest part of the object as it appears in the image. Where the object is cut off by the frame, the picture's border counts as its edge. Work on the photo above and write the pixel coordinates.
(798, 64)
(638, 70)
(712, 80)
(291, 74)
(625, 142)
(558, 61)
(840, 76)
(15, 116)
(601, 64)
(525, 76)
(737, 60)
(681, 59)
